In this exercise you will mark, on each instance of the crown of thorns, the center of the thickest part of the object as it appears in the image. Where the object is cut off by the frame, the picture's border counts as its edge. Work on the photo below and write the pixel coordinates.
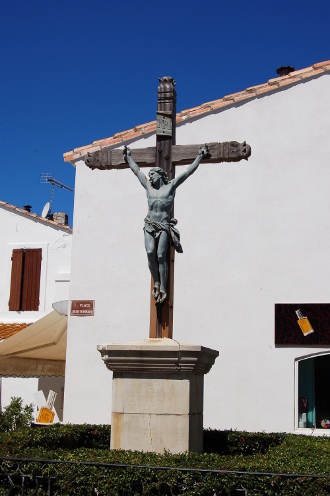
(162, 173)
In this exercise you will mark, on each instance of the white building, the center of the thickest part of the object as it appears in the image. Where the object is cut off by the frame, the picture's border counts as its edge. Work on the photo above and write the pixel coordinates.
(255, 234)
(35, 258)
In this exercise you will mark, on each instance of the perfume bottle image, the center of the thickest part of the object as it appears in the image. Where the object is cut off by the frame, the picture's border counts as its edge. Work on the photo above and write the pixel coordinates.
(304, 323)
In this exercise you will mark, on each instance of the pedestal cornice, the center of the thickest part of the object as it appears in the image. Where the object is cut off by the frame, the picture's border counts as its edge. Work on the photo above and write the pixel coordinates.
(154, 356)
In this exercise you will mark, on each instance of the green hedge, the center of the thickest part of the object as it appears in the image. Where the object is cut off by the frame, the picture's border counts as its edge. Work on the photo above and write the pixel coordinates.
(234, 442)
(70, 437)
(223, 450)
(59, 436)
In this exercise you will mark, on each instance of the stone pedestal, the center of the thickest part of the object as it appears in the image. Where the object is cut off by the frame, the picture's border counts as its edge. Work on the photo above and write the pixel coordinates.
(157, 394)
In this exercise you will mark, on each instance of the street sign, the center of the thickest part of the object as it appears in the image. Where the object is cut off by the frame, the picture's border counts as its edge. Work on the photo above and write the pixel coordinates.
(82, 308)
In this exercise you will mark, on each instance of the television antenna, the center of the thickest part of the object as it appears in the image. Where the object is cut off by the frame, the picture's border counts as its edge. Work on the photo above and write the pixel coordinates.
(48, 177)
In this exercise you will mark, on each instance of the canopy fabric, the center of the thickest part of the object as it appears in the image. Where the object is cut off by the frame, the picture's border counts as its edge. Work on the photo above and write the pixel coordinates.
(37, 350)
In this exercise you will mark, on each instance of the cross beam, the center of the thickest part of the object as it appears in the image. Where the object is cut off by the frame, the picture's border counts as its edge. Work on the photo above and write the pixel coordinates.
(228, 151)
(166, 154)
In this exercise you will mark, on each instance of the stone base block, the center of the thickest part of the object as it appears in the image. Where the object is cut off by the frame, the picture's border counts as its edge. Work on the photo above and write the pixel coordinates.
(152, 432)
(157, 394)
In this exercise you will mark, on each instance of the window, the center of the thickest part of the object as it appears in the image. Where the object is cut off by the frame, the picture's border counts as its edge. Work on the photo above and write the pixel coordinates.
(25, 279)
(314, 392)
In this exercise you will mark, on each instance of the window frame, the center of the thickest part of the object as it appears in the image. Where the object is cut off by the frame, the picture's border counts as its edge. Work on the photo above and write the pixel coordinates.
(306, 430)
(43, 274)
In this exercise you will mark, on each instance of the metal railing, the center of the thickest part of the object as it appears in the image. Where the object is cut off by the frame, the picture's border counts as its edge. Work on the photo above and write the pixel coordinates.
(29, 476)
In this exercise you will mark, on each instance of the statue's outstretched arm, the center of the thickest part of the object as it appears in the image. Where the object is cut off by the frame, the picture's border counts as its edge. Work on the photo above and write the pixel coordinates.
(135, 168)
(202, 152)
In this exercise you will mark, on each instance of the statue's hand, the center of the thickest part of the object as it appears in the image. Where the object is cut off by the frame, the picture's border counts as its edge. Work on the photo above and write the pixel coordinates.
(126, 152)
(203, 150)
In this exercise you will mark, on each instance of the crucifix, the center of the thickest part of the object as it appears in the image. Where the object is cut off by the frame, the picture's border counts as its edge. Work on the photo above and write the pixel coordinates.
(161, 236)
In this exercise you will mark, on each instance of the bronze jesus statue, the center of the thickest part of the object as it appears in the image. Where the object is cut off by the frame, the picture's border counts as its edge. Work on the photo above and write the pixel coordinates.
(159, 228)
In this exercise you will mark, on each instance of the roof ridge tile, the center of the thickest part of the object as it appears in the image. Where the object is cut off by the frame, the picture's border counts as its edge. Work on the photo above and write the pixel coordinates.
(325, 64)
(274, 81)
(302, 71)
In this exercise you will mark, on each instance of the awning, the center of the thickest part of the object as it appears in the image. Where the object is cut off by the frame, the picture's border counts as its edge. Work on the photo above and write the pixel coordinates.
(38, 350)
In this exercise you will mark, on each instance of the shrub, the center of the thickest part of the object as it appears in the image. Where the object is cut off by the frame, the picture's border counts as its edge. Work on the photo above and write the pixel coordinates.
(15, 416)
(235, 442)
(46, 439)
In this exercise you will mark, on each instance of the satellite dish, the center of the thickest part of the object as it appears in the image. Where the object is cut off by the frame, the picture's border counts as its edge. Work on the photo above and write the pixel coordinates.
(45, 210)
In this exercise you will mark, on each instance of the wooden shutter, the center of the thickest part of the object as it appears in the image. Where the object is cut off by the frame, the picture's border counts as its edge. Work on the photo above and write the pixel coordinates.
(31, 279)
(16, 279)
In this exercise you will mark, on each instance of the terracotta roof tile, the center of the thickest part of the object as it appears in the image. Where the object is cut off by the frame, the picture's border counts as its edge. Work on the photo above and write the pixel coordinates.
(324, 65)
(220, 104)
(7, 330)
(266, 88)
(34, 216)
(274, 81)
(228, 100)
(287, 80)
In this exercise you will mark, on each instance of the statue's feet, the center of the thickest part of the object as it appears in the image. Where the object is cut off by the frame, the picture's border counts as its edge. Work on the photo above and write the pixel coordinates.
(162, 296)
(155, 291)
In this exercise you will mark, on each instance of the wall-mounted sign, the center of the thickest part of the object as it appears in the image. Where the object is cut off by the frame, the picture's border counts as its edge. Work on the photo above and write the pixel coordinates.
(82, 308)
(302, 324)
(164, 124)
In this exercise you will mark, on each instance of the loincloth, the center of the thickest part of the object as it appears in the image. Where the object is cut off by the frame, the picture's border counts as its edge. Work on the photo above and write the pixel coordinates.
(156, 228)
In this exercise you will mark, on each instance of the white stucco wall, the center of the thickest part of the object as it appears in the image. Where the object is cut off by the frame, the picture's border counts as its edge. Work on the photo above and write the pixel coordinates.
(19, 387)
(254, 234)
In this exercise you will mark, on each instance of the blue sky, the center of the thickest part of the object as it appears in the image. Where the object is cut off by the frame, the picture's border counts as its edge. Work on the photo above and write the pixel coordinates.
(77, 71)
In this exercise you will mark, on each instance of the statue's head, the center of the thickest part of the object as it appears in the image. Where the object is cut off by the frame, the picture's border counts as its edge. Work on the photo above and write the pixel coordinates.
(160, 172)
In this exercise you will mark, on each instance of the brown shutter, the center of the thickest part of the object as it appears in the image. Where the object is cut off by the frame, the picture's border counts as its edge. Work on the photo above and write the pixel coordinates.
(31, 279)
(16, 279)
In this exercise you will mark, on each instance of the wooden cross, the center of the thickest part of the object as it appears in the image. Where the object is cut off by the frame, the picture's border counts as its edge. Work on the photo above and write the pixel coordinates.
(167, 155)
